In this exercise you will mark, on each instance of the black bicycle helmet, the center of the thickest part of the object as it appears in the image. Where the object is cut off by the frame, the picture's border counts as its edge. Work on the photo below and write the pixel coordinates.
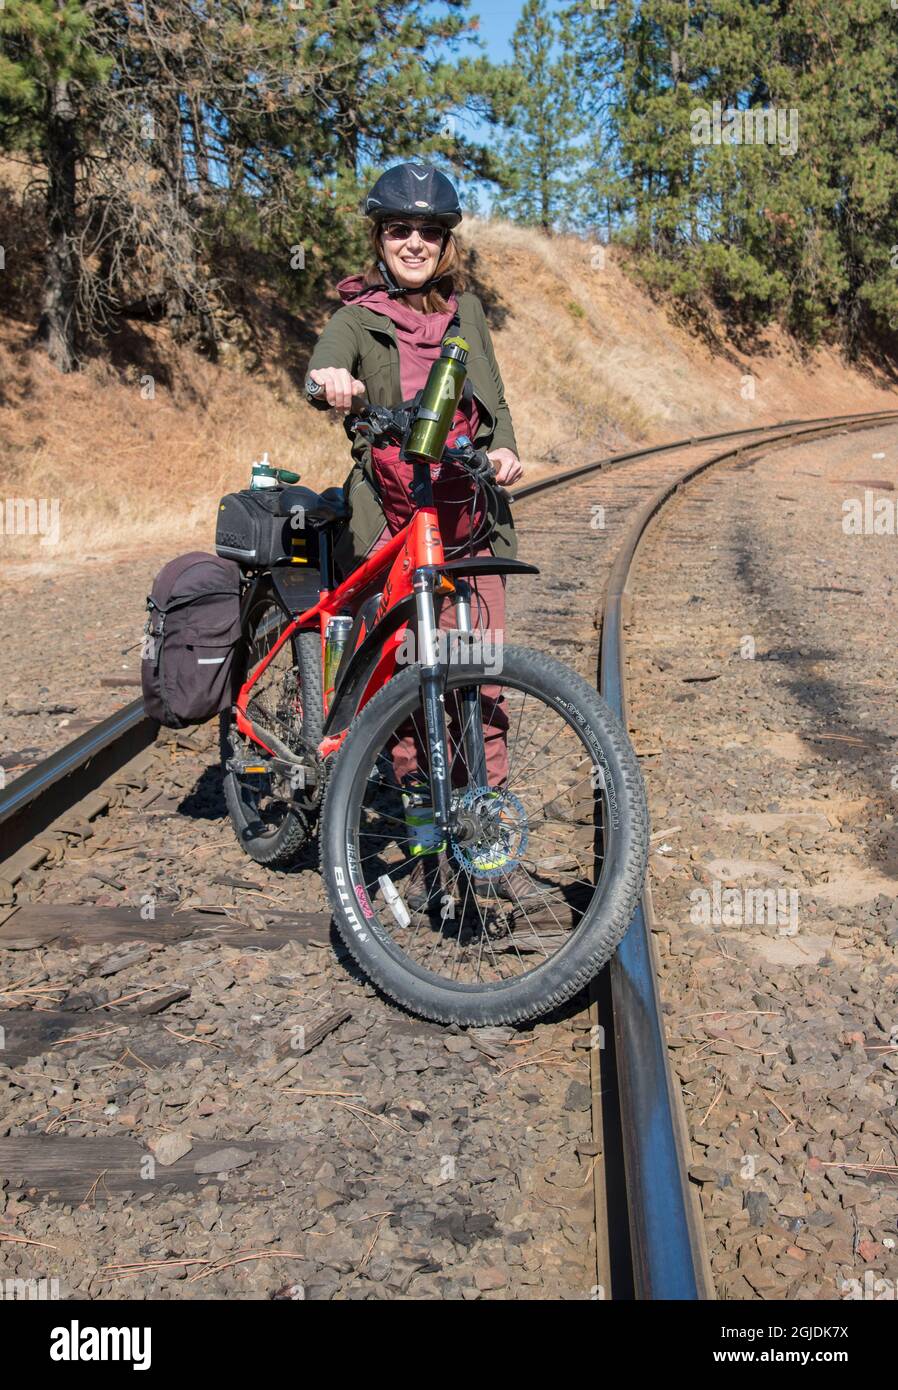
(414, 190)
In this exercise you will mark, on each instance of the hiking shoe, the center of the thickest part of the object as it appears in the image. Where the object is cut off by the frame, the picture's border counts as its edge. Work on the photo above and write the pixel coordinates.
(517, 885)
(424, 892)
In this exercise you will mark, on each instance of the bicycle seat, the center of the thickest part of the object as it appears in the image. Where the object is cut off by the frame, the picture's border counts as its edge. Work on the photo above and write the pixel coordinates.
(319, 509)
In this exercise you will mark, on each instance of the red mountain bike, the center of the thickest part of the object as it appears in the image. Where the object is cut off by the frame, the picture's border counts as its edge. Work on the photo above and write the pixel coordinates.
(466, 900)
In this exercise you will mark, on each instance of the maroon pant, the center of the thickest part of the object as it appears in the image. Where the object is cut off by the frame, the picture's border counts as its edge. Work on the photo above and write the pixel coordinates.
(487, 617)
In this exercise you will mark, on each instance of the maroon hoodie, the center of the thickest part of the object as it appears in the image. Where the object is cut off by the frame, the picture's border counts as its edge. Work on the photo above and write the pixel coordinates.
(418, 337)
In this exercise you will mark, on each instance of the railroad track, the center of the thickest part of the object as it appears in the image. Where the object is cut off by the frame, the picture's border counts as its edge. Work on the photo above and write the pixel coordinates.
(639, 1145)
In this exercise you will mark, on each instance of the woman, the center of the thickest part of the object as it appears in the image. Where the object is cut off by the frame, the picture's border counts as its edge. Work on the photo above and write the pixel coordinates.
(384, 340)
(382, 343)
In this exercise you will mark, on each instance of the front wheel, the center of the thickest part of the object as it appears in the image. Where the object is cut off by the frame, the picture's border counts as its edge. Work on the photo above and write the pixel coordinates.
(527, 896)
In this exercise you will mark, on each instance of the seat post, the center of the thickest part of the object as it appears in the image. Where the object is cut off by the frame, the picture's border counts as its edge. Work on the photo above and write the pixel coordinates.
(326, 559)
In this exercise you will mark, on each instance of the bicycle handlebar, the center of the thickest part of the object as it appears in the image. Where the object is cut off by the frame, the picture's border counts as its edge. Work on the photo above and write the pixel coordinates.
(392, 424)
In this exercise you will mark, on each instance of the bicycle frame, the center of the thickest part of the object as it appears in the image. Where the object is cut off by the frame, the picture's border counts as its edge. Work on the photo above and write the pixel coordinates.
(412, 561)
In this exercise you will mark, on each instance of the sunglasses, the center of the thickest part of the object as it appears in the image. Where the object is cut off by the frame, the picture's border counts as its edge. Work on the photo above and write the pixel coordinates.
(401, 231)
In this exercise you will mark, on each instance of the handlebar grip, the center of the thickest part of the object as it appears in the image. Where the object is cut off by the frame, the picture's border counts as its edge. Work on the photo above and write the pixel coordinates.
(316, 396)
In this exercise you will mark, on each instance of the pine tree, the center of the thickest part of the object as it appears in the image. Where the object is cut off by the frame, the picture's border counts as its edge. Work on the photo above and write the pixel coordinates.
(752, 150)
(544, 123)
(190, 148)
(47, 71)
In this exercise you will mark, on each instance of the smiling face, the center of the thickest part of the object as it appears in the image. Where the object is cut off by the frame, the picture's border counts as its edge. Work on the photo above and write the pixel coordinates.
(411, 250)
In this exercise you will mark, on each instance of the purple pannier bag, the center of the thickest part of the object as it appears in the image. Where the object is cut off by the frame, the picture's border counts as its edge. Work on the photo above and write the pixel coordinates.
(192, 638)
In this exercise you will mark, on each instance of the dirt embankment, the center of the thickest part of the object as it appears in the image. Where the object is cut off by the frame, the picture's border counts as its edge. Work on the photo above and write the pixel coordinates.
(137, 456)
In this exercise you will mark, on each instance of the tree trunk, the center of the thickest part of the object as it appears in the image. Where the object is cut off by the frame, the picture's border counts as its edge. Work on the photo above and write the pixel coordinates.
(178, 248)
(56, 328)
(235, 155)
(200, 152)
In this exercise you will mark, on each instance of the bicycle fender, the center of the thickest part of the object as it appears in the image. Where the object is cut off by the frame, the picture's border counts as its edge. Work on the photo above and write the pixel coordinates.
(487, 564)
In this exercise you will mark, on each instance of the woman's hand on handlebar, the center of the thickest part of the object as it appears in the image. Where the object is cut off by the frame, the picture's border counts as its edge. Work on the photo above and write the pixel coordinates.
(506, 466)
(340, 386)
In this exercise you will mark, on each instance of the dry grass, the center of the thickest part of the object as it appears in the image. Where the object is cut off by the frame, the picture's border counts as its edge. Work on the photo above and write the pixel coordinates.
(129, 468)
(553, 349)
(590, 365)
(595, 360)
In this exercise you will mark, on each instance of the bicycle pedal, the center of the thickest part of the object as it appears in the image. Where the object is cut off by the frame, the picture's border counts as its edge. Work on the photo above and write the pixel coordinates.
(243, 767)
(301, 776)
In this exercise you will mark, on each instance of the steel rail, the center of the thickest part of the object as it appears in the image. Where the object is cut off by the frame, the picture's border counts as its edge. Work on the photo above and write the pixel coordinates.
(666, 1242)
(32, 801)
(613, 460)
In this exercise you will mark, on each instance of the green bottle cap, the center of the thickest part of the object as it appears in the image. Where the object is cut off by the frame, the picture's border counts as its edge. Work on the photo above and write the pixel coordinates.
(456, 348)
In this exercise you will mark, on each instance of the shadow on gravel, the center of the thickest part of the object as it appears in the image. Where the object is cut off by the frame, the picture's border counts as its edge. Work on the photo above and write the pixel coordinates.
(206, 800)
(826, 700)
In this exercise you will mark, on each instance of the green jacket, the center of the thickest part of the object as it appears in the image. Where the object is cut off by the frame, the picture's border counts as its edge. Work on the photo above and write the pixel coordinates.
(364, 342)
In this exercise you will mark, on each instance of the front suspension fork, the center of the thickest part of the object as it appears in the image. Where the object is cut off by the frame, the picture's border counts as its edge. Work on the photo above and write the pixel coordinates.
(433, 695)
(433, 688)
(469, 695)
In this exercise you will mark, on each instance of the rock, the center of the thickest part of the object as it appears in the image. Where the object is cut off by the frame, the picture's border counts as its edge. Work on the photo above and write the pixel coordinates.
(702, 1172)
(168, 1148)
(578, 1097)
(757, 1205)
(224, 1160)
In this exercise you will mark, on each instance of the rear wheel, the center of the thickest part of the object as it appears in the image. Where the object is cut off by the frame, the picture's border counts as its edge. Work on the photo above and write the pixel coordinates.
(273, 819)
(531, 891)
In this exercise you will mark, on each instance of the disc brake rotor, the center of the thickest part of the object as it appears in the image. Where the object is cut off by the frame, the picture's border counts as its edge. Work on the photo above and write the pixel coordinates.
(491, 832)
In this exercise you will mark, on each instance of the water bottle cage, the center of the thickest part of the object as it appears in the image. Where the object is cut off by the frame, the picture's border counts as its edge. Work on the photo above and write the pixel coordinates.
(379, 424)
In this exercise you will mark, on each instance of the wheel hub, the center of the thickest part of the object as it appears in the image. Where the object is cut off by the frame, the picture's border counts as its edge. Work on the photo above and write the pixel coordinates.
(489, 832)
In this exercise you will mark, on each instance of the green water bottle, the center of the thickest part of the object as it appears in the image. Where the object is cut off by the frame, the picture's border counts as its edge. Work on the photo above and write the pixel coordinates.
(439, 402)
(336, 638)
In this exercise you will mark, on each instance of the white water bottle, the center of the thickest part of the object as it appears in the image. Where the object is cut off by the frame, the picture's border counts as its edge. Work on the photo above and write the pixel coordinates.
(263, 475)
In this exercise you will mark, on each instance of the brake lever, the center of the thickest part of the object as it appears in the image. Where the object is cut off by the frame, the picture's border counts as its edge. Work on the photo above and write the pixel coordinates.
(377, 422)
(480, 466)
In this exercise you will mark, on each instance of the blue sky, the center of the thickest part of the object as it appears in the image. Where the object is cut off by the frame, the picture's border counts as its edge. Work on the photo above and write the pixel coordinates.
(496, 24)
